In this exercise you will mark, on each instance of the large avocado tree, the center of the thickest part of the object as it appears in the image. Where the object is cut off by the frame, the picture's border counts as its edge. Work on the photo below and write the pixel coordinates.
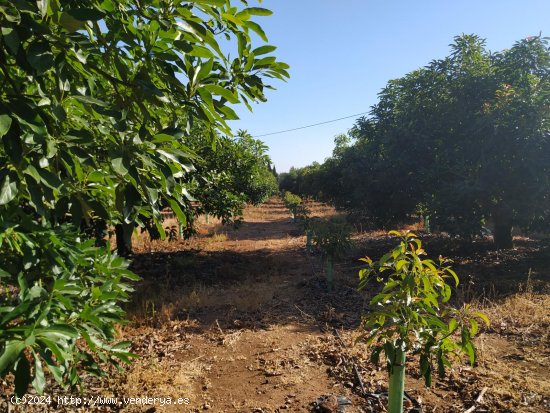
(468, 137)
(98, 99)
(465, 140)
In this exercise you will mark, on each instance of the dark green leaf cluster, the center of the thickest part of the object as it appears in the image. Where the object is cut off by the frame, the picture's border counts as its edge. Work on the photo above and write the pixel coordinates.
(99, 99)
(293, 202)
(331, 236)
(409, 313)
(467, 137)
(60, 316)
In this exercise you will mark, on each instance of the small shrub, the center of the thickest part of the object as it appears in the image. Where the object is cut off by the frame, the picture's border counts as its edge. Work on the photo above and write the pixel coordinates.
(408, 316)
(172, 233)
(332, 238)
(292, 202)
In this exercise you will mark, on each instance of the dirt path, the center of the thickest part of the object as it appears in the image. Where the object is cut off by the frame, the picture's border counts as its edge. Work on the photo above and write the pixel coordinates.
(249, 338)
(256, 326)
(240, 321)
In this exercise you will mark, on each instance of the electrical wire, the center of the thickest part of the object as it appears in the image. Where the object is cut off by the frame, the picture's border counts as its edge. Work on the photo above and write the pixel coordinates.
(309, 126)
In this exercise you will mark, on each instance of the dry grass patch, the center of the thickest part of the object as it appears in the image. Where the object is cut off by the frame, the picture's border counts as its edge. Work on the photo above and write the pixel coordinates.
(514, 353)
(525, 312)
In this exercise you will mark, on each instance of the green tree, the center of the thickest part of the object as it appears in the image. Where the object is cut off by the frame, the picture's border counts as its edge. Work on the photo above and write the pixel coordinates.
(98, 98)
(333, 238)
(252, 173)
(288, 180)
(469, 134)
(233, 172)
(467, 137)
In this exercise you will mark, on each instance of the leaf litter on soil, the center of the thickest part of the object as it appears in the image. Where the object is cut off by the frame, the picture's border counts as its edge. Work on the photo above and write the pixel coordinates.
(240, 321)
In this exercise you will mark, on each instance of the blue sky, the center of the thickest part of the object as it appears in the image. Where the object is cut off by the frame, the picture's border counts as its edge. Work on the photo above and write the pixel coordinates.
(342, 53)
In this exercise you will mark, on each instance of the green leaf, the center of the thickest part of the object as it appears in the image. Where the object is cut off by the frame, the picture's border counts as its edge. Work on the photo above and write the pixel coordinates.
(200, 51)
(264, 50)
(264, 62)
(187, 195)
(426, 369)
(49, 179)
(57, 332)
(69, 23)
(454, 276)
(475, 327)
(162, 137)
(22, 376)
(221, 91)
(12, 350)
(42, 7)
(205, 70)
(258, 11)
(11, 14)
(470, 351)
(446, 293)
(8, 189)
(229, 113)
(119, 166)
(20, 309)
(452, 325)
(12, 40)
(89, 100)
(96, 176)
(177, 210)
(233, 19)
(39, 381)
(483, 317)
(218, 3)
(441, 363)
(4, 274)
(59, 354)
(173, 157)
(122, 346)
(85, 14)
(256, 28)
(5, 124)
(207, 98)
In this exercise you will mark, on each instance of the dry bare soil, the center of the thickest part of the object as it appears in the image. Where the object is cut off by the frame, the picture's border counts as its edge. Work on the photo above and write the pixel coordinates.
(240, 321)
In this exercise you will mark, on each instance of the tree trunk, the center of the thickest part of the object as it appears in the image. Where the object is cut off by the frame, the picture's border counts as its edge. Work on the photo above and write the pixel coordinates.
(503, 236)
(309, 241)
(123, 246)
(503, 227)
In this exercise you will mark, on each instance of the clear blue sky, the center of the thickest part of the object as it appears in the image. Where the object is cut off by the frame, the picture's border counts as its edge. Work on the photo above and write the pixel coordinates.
(342, 53)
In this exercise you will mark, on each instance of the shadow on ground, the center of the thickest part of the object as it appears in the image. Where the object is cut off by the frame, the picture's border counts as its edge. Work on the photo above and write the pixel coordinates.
(278, 286)
(245, 289)
(274, 229)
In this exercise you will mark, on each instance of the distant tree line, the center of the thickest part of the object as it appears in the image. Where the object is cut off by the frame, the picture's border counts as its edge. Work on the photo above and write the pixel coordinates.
(465, 140)
(231, 173)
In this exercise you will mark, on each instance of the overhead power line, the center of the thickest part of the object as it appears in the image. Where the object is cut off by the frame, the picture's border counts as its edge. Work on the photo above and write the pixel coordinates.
(310, 126)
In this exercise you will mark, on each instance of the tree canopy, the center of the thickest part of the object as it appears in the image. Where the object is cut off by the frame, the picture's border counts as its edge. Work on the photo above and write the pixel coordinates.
(234, 172)
(465, 139)
(99, 99)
